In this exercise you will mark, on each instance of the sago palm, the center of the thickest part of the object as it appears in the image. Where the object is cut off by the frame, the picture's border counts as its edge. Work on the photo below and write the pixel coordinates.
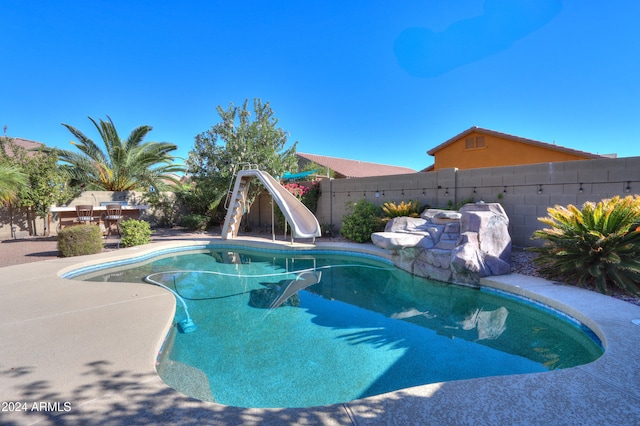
(411, 208)
(123, 165)
(599, 244)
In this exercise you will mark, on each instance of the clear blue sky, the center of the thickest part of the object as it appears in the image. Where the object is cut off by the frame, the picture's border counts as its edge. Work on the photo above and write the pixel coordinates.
(369, 80)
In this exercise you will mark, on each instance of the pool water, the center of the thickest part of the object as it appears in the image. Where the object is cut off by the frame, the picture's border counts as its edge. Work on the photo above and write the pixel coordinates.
(357, 327)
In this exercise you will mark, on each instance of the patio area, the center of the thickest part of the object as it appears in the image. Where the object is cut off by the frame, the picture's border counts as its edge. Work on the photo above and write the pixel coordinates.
(75, 352)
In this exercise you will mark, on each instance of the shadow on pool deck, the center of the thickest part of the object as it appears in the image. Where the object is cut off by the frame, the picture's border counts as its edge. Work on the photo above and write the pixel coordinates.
(93, 345)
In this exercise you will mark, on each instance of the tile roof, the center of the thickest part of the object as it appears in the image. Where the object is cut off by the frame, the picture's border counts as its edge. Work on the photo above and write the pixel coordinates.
(553, 147)
(24, 143)
(355, 168)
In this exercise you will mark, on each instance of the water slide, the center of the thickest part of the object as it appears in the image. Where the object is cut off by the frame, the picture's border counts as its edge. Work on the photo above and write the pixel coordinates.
(303, 223)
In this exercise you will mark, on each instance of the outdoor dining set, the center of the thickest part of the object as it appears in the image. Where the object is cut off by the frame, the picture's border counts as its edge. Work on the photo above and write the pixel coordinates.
(107, 215)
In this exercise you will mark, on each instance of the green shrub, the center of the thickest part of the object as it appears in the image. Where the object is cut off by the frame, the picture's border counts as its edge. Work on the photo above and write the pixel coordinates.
(79, 240)
(599, 244)
(459, 204)
(165, 206)
(362, 220)
(311, 196)
(134, 232)
(308, 194)
(195, 222)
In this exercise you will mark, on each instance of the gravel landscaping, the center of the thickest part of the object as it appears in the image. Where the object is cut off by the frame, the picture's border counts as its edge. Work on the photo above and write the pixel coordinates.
(522, 263)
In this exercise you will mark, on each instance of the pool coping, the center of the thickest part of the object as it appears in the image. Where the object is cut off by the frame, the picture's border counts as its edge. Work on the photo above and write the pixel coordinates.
(94, 347)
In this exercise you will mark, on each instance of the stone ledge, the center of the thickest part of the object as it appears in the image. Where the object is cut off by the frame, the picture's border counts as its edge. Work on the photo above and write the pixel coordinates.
(395, 240)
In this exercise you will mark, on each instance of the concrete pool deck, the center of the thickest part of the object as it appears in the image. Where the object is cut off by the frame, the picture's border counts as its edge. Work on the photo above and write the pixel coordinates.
(75, 352)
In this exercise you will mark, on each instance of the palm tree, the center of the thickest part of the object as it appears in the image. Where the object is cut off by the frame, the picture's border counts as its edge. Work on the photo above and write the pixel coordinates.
(124, 165)
(11, 179)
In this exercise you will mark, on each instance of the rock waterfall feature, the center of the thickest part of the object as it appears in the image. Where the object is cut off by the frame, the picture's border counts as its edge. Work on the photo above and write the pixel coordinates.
(453, 246)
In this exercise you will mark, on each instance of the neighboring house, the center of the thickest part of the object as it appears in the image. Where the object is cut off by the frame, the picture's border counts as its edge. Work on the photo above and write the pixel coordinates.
(343, 168)
(24, 143)
(477, 147)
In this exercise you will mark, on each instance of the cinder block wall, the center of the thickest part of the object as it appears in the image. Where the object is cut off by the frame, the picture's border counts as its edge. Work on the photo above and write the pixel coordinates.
(524, 191)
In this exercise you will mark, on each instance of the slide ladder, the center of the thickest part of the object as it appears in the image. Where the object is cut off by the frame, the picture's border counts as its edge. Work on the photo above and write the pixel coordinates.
(303, 223)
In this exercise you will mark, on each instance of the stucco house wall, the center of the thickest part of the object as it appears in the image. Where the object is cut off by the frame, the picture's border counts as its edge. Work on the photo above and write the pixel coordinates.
(477, 148)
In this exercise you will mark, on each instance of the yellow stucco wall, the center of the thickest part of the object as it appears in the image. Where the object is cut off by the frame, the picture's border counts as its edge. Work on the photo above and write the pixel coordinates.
(496, 152)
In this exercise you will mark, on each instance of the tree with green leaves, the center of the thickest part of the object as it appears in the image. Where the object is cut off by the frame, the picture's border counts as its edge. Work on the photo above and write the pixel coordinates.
(238, 138)
(41, 183)
(123, 165)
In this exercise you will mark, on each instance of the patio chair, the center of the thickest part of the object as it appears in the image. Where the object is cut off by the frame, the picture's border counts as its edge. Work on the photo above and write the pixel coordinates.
(113, 215)
(84, 213)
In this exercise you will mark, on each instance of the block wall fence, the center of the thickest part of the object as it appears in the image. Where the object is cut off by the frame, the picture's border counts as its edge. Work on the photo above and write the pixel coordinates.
(525, 192)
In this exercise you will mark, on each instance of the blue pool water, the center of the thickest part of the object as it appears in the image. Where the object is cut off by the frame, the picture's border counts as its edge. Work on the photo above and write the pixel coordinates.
(357, 327)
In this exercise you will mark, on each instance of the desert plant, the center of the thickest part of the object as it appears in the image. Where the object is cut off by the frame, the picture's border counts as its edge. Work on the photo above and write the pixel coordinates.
(362, 220)
(135, 232)
(598, 244)
(411, 209)
(79, 240)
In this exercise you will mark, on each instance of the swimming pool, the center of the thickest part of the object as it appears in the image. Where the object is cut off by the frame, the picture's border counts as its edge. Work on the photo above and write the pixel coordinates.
(363, 328)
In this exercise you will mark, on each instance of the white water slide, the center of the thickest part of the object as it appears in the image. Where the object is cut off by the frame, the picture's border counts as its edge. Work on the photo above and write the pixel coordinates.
(303, 223)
